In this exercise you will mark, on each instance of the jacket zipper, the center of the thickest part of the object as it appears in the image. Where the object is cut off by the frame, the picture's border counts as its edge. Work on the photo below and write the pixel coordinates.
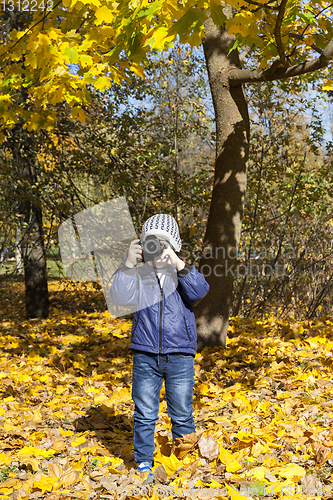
(187, 330)
(160, 330)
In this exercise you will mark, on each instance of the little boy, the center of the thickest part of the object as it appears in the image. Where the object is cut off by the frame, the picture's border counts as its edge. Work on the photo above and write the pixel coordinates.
(163, 334)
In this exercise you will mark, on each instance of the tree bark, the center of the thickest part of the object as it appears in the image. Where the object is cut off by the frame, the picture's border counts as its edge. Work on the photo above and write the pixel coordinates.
(219, 259)
(21, 144)
(18, 253)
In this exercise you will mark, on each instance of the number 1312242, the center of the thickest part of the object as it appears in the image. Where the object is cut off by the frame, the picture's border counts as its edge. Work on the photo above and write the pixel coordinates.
(27, 5)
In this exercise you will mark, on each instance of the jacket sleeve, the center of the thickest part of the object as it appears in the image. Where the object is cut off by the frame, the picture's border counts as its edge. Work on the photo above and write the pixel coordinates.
(124, 289)
(192, 285)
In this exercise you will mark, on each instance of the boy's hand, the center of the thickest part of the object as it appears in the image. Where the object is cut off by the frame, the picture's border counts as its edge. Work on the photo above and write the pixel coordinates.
(169, 256)
(134, 252)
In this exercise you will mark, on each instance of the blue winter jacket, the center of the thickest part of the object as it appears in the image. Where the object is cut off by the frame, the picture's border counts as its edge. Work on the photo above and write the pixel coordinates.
(164, 321)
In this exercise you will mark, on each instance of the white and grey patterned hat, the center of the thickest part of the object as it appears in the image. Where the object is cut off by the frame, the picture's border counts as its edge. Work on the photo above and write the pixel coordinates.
(163, 225)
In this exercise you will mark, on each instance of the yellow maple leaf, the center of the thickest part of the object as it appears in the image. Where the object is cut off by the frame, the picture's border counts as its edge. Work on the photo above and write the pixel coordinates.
(227, 458)
(259, 448)
(85, 60)
(171, 463)
(64, 433)
(240, 418)
(102, 83)
(9, 427)
(32, 451)
(37, 418)
(101, 399)
(5, 459)
(79, 440)
(11, 483)
(37, 436)
(258, 472)
(45, 483)
(293, 472)
(203, 388)
(103, 14)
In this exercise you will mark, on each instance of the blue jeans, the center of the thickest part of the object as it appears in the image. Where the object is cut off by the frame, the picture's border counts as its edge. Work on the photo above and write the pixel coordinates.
(148, 371)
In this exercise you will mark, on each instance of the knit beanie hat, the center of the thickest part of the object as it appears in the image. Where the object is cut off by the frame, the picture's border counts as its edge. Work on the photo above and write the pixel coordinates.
(163, 225)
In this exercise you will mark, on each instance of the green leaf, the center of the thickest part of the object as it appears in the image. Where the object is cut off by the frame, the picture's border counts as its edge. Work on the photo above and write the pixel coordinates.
(150, 11)
(307, 17)
(216, 12)
(233, 46)
(192, 19)
(72, 53)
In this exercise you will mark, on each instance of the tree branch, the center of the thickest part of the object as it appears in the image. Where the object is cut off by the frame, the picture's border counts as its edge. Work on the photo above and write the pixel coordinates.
(239, 76)
(277, 33)
(245, 52)
(301, 38)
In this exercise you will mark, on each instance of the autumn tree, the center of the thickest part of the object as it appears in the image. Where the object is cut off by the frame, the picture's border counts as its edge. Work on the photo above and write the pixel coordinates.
(20, 143)
(245, 41)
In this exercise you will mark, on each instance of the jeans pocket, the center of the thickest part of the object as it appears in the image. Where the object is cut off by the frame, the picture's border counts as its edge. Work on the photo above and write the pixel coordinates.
(186, 356)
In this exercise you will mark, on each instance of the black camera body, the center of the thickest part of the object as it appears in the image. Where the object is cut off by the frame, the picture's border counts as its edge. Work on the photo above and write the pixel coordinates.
(152, 248)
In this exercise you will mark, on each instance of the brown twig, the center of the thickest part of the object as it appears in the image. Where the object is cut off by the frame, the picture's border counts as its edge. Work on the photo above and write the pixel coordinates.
(277, 33)
(300, 37)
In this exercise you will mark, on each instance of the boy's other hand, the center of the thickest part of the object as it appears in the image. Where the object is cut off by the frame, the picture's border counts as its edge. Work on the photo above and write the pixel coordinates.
(170, 257)
(134, 252)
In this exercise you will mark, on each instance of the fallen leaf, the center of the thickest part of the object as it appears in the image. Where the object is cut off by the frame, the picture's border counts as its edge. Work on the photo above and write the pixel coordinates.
(208, 447)
(310, 484)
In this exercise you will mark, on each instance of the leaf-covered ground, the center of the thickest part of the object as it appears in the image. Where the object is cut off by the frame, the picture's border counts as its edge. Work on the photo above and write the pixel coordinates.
(263, 408)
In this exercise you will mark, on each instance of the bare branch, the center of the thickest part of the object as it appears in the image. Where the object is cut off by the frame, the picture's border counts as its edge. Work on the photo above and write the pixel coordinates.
(277, 33)
(239, 76)
(301, 38)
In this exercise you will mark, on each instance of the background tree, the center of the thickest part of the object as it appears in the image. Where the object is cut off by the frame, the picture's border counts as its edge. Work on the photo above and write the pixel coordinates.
(21, 145)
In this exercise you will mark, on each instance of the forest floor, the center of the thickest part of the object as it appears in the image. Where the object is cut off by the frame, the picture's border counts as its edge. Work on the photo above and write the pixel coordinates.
(263, 408)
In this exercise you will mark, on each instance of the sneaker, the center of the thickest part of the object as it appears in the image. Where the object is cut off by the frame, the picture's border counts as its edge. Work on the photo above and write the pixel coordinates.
(144, 467)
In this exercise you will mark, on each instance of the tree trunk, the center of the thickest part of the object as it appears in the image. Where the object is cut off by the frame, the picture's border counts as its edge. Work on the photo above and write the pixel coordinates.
(32, 242)
(18, 253)
(219, 259)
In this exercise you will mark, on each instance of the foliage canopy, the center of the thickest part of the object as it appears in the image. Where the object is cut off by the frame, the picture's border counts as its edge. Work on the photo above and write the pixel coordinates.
(106, 39)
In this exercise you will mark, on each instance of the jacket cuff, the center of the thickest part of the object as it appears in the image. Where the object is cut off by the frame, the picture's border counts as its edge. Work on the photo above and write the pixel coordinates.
(184, 272)
(127, 270)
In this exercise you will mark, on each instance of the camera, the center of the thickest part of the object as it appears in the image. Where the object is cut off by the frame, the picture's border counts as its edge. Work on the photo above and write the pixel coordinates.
(152, 248)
